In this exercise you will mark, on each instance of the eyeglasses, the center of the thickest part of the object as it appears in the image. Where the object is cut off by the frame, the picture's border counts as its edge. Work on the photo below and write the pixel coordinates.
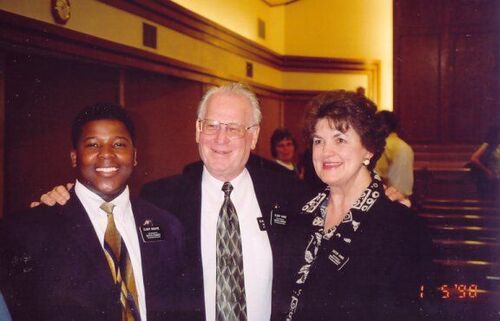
(212, 127)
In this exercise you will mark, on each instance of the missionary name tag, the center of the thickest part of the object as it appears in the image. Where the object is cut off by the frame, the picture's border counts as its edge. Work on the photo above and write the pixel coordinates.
(150, 232)
(338, 259)
(277, 217)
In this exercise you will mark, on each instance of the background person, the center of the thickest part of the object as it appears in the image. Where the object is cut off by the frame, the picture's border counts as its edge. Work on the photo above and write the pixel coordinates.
(283, 150)
(485, 165)
(94, 258)
(395, 165)
(363, 256)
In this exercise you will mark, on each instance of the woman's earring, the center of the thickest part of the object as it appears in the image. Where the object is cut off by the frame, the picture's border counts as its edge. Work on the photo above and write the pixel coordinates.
(366, 162)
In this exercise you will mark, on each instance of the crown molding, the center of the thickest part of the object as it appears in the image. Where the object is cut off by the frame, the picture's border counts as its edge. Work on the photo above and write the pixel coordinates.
(22, 34)
(176, 17)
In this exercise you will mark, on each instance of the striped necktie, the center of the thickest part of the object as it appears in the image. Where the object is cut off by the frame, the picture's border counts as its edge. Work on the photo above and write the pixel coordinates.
(230, 302)
(120, 266)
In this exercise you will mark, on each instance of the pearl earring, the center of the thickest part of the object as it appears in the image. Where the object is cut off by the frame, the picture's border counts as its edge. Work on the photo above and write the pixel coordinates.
(366, 162)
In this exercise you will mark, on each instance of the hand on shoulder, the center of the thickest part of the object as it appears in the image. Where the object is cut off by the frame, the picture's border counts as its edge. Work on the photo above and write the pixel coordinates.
(59, 195)
(396, 196)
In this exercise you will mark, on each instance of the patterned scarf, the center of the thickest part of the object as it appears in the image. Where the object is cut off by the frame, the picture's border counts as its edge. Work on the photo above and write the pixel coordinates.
(338, 239)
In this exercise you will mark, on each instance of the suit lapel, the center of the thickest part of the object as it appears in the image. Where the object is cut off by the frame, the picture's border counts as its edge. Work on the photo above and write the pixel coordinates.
(146, 251)
(83, 236)
(262, 192)
(150, 252)
(192, 208)
(191, 219)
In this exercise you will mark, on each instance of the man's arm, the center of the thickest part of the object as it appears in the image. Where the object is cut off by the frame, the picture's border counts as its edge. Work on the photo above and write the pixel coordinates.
(60, 195)
(476, 160)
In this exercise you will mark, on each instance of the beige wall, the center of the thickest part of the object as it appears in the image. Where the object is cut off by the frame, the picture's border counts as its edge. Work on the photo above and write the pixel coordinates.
(87, 16)
(111, 24)
(317, 28)
(241, 17)
(359, 29)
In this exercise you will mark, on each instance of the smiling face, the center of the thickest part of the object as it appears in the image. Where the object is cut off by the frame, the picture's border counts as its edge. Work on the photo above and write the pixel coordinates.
(225, 157)
(338, 157)
(104, 157)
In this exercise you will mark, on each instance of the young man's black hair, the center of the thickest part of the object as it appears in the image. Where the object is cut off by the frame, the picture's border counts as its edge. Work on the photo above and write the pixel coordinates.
(100, 111)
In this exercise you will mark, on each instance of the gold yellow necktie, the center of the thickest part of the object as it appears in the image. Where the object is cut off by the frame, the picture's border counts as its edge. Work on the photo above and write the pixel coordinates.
(120, 266)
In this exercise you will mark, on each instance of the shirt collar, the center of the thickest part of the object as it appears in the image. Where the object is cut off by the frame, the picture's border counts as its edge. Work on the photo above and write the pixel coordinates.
(120, 202)
(211, 180)
(290, 166)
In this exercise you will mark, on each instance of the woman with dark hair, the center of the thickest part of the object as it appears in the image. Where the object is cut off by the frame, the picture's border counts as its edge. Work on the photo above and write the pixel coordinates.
(363, 253)
(283, 149)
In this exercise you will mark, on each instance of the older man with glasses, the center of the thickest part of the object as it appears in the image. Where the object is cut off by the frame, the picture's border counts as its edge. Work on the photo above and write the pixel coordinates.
(231, 260)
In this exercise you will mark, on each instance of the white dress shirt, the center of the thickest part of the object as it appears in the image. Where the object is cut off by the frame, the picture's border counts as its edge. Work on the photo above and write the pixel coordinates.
(289, 166)
(395, 165)
(257, 255)
(125, 223)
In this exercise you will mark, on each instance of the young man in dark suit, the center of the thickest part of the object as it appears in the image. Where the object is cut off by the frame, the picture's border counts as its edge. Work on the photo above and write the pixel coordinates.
(101, 256)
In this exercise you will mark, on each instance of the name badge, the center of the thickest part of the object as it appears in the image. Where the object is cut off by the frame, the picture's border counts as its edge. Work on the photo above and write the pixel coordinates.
(150, 232)
(277, 217)
(262, 223)
(338, 259)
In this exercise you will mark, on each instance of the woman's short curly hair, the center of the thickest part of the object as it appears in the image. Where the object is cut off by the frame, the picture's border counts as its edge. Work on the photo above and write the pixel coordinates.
(345, 109)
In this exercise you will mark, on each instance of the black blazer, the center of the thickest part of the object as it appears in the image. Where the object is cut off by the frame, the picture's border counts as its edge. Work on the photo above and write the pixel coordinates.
(58, 270)
(181, 195)
(390, 258)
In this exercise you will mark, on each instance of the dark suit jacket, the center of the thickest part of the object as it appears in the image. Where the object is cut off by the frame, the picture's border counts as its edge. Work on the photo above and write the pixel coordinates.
(181, 195)
(390, 258)
(58, 270)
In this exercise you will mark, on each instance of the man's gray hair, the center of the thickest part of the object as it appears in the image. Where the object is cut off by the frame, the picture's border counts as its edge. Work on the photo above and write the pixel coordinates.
(232, 88)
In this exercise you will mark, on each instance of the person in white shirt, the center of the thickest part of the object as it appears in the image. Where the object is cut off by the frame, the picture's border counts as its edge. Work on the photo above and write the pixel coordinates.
(395, 166)
(227, 130)
(101, 256)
